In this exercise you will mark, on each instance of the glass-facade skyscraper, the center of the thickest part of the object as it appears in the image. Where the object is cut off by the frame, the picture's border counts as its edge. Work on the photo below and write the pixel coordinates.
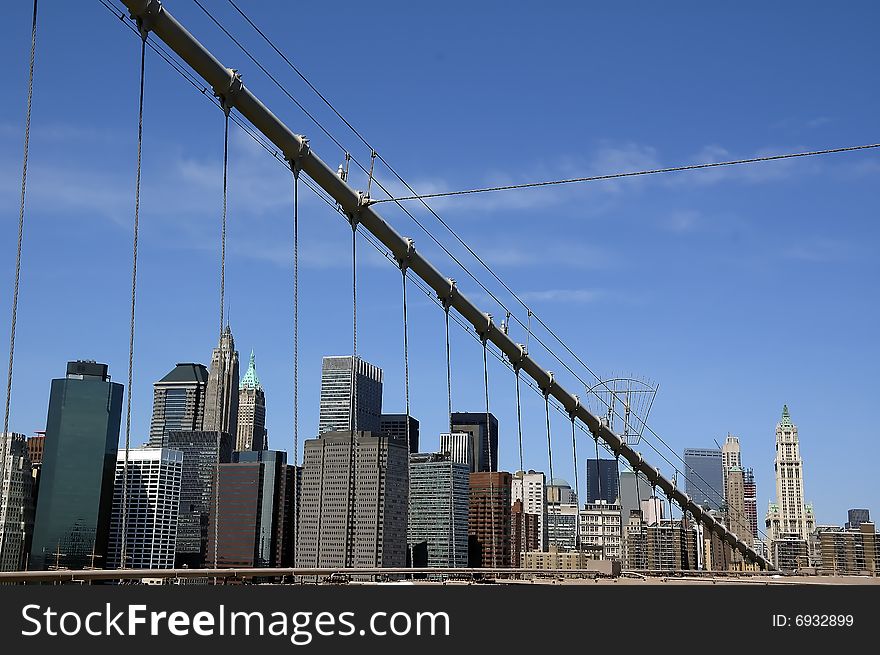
(484, 440)
(79, 464)
(336, 396)
(602, 481)
(704, 476)
(178, 402)
(438, 509)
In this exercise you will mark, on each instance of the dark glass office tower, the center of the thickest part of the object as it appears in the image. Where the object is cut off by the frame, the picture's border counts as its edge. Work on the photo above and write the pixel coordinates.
(483, 440)
(394, 426)
(79, 463)
(250, 528)
(201, 452)
(602, 482)
(704, 476)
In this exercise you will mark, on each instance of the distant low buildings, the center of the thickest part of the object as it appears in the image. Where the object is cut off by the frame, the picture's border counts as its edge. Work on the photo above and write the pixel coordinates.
(849, 551)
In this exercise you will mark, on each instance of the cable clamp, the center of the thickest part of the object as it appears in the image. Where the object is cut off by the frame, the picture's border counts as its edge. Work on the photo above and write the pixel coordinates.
(227, 95)
(484, 335)
(295, 163)
(146, 20)
(546, 390)
(447, 299)
(404, 261)
(577, 406)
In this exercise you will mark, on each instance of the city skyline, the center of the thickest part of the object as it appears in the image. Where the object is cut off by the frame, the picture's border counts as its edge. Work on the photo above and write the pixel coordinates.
(696, 402)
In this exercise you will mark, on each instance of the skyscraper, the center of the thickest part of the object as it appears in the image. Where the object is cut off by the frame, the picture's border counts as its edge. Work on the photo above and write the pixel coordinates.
(250, 529)
(251, 411)
(634, 489)
(178, 402)
(730, 456)
(790, 516)
(460, 448)
(153, 504)
(489, 518)
(736, 518)
(485, 441)
(394, 425)
(438, 509)
(704, 476)
(750, 501)
(201, 453)
(221, 395)
(16, 501)
(336, 396)
(79, 464)
(353, 506)
(602, 480)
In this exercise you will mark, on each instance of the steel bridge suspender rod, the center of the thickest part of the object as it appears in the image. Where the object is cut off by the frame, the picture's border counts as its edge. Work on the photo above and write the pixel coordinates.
(226, 82)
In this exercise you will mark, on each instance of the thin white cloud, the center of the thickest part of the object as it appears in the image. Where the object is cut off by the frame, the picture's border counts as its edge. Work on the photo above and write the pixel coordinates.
(563, 295)
(820, 251)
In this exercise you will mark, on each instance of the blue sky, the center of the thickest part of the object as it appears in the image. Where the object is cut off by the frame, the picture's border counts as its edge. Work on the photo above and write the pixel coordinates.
(737, 289)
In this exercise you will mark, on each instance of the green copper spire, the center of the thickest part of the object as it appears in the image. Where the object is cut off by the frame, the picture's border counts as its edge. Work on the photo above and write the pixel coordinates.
(250, 379)
(786, 417)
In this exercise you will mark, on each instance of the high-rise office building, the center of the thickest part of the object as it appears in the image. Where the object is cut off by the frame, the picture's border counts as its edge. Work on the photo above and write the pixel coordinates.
(438, 509)
(202, 451)
(736, 518)
(16, 501)
(79, 464)
(252, 433)
(750, 501)
(602, 480)
(394, 425)
(530, 487)
(152, 500)
(250, 528)
(855, 517)
(730, 456)
(292, 499)
(221, 393)
(562, 526)
(704, 476)
(489, 519)
(483, 431)
(337, 397)
(790, 516)
(353, 506)
(460, 448)
(178, 402)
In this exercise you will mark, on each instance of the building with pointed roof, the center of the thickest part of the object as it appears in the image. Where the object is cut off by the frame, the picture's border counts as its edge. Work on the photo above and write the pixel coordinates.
(221, 395)
(789, 518)
(178, 402)
(251, 433)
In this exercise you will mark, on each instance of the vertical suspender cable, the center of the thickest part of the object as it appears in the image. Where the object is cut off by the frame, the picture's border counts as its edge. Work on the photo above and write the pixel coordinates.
(134, 255)
(353, 400)
(491, 503)
(449, 410)
(219, 418)
(27, 136)
(522, 527)
(296, 170)
(406, 400)
(577, 490)
(549, 455)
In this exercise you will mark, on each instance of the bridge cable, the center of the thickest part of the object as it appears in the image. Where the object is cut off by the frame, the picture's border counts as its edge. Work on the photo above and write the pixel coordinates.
(522, 528)
(446, 304)
(574, 456)
(403, 267)
(613, 176)
(15, 286)
(599, 493)
(491, 503)
(549, 454)
(295, 166)
(134, 257)
(353, 397)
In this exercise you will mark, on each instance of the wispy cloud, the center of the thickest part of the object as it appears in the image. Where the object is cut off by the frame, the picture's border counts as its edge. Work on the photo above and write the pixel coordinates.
(563, 295)
(820, 251)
